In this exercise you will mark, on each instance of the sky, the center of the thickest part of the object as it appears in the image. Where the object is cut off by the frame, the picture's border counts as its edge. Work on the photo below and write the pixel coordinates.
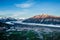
(28, 8)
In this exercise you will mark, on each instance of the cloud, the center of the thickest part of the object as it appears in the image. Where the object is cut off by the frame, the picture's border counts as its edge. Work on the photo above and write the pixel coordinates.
(16, 14)
(24, 5)
(1, 13)
(20, 14)
(27, 4)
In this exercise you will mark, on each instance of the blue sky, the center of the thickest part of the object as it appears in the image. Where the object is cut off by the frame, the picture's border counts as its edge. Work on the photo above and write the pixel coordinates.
(29, 8)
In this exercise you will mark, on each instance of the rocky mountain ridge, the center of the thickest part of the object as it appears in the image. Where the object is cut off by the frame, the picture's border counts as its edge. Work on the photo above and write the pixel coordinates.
(44, 19)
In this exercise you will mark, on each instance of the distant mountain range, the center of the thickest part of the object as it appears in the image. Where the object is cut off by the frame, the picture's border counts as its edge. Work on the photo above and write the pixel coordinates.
(44, 19)
(7, 19)
(41, 21)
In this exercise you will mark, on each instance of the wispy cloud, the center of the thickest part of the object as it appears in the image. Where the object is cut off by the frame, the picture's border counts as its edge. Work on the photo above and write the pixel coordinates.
(27, 4)
(12, 13)
(17, 14)
(20, 14)
(24, 5)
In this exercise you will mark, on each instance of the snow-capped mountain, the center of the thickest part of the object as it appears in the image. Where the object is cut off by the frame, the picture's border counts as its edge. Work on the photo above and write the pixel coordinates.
(44, 19)
(36, 22)
(7, 19)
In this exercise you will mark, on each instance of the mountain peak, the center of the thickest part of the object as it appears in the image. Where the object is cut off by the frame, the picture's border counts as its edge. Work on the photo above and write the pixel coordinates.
(44, 19)
(45, 16)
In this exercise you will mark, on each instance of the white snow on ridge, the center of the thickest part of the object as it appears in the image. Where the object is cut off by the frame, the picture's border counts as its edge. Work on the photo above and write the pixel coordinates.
(49, 25)
(41, 24)
(9, 23)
